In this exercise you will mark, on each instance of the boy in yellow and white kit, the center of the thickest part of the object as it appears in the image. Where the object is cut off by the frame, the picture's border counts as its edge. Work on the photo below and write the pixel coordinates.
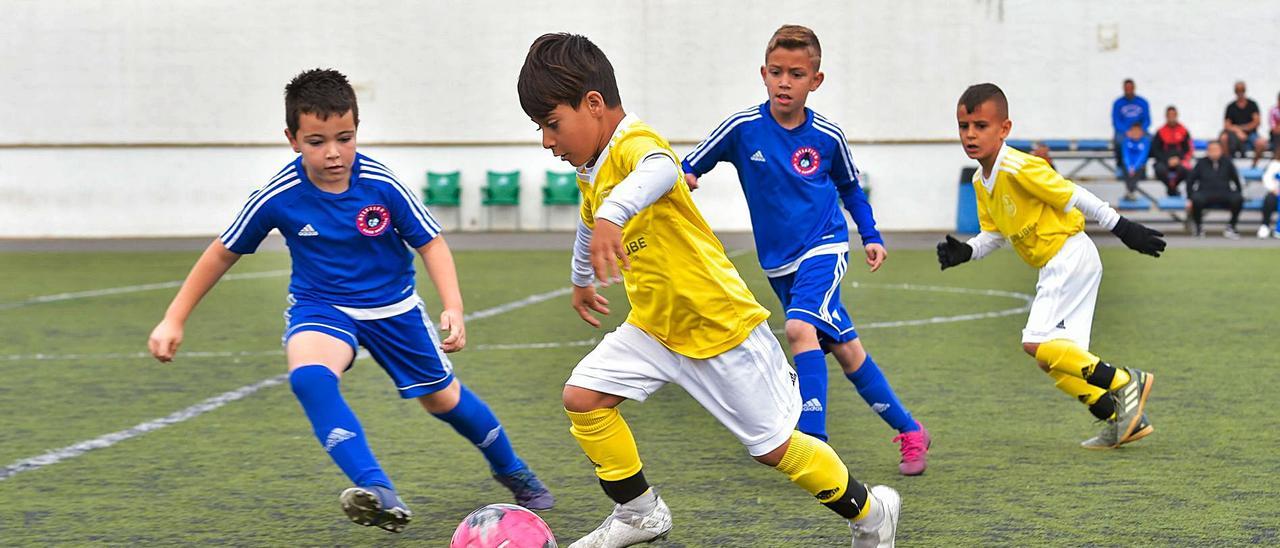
(1021, 199)
(693, 321)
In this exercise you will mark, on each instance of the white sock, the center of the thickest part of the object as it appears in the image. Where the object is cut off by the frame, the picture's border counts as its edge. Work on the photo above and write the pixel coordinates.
(875, 514)
(644, 503)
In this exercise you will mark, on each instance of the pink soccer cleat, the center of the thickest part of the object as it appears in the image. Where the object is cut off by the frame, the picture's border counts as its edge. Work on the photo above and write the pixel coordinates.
(915, 450)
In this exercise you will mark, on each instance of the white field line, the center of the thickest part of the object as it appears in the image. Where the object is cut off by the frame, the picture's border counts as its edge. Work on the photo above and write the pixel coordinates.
(107, 440)
(130, 289)
(190, 355)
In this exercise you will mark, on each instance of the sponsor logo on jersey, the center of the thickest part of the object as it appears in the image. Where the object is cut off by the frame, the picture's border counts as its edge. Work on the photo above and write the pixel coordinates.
(373, 220)
(1010, 209)
(805, 160)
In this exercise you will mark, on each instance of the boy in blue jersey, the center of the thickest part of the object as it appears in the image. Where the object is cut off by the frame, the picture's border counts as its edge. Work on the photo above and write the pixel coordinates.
(347, 220)
(795, 169)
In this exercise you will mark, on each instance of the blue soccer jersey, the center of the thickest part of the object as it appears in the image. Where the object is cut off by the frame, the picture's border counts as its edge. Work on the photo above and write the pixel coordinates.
(348, 249)
(794, 181)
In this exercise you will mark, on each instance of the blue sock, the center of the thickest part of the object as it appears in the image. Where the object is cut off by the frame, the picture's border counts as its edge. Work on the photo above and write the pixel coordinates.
(875, 390)
(476, 422)
(811, 367)
(335, 425)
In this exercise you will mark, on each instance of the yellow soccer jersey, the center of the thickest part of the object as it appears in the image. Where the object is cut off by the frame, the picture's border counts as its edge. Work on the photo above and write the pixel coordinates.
(1026, 200)
(683, 290)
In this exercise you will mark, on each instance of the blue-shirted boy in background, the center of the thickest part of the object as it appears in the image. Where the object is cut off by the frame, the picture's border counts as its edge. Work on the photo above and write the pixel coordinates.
(795, 169)
(347, 221)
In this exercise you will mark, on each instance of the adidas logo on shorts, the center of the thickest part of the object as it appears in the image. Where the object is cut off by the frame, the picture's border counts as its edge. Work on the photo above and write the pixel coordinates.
(811, 406)
(336, 436)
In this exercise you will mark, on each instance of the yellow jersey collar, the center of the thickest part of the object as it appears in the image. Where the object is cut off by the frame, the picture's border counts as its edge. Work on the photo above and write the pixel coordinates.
(588, 173)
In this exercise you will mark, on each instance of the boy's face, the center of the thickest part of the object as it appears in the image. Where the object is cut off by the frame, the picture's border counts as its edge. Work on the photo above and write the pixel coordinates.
(1134, 132)
(328, 147)
(983, 130)
(575, 135)
(789, 76)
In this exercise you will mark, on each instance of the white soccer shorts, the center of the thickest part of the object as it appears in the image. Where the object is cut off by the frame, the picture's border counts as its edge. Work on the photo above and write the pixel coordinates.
(1066, 294)
(749, 388)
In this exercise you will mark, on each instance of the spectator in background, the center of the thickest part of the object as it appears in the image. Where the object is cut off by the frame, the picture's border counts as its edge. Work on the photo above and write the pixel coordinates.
(1040, 149)
(1129, 109)
(1135, 151)
(1275, 128)
(1214, 182)
(1240, 127)
(1171, 149)
(1270, 180)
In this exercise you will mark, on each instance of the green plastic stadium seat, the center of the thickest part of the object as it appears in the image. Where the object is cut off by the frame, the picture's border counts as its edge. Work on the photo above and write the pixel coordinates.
(561, 188)
(502, 188)
(443, 189)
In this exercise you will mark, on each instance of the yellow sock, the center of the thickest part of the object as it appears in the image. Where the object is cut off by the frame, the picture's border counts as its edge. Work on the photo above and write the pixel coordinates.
(816, 468)
(1068, 358)
(607, 441)
(1077, 388)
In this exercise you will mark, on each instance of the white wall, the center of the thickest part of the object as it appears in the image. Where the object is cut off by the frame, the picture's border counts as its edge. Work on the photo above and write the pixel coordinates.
(119, 116)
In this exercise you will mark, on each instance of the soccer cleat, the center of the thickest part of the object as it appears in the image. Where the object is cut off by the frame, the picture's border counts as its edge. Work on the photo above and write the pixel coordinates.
(1230, 233)
(915, 450)
(1263, 232)
(1131, 400)
(1143, 429)
(626, 527)
(376, 506)
(528, 489)
(879, 535)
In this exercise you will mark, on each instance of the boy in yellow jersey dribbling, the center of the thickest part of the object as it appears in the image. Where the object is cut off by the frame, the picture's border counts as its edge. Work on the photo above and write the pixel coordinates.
(693, 321)
(1024, 201)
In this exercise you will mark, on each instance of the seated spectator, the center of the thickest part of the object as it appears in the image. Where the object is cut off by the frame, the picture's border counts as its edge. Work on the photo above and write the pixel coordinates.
(1275, 129)
(1171, 149)
(1128, 109)
(1040, 149)
(1136, 149)
(1270, 180)
(1214, 182)
(1240, 127)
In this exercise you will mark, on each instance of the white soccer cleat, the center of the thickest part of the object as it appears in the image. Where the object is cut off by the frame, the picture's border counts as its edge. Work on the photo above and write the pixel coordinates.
(879, 535)
(626, 527)
(1263, 232)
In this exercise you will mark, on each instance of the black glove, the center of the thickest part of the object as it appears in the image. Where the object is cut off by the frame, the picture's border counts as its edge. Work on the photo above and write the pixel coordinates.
(952, 252)
(1139, 238)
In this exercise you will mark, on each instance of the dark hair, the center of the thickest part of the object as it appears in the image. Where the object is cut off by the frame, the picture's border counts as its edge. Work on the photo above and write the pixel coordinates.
(981, 93)
(322, 92)
(1128, 80)
(1171, 107)
(796, 37)
(559, 70)
(1135, 125)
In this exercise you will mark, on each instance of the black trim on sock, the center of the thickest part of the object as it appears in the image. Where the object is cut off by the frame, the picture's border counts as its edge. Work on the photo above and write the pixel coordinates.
(627, 489)
(850, 504)
(1102, 375)
(1104, 408)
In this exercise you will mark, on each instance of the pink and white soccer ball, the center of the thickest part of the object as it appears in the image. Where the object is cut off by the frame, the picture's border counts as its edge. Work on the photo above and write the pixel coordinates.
(502, 526)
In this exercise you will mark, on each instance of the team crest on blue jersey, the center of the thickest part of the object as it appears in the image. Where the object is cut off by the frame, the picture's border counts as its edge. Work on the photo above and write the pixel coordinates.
(373, 220)
(805, 160)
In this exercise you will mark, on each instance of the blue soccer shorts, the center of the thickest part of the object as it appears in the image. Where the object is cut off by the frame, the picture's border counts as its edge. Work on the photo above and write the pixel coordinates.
(404, 344)
(811, 294)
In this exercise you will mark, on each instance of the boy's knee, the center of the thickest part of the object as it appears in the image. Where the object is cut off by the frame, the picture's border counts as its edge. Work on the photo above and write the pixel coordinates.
(801, 334)
(1030, 348)
(443, 400)
(582, 400)
(773, 458)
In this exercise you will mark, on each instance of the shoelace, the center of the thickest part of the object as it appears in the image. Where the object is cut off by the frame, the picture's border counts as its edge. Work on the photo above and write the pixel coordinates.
(913, 445)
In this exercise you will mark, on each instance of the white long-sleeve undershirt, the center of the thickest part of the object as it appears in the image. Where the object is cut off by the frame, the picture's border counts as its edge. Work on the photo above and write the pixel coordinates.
(652, 179)
(1093, 208)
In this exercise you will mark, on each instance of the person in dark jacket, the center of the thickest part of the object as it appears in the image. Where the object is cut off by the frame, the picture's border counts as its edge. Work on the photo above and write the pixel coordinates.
(1171, 149)
(1214, 182)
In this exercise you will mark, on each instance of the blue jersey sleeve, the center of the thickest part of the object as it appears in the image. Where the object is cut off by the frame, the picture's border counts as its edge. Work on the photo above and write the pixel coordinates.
(716, 147)
(252, 224)
(409, 216)
(847, 180)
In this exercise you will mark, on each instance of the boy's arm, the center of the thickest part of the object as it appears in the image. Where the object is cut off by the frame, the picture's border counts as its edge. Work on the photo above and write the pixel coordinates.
(585, 298)
(1134, 235)
(439, 263)
(1235, 176)
(846, 176)
(653, 177)
(209, 268)
(712, 150)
